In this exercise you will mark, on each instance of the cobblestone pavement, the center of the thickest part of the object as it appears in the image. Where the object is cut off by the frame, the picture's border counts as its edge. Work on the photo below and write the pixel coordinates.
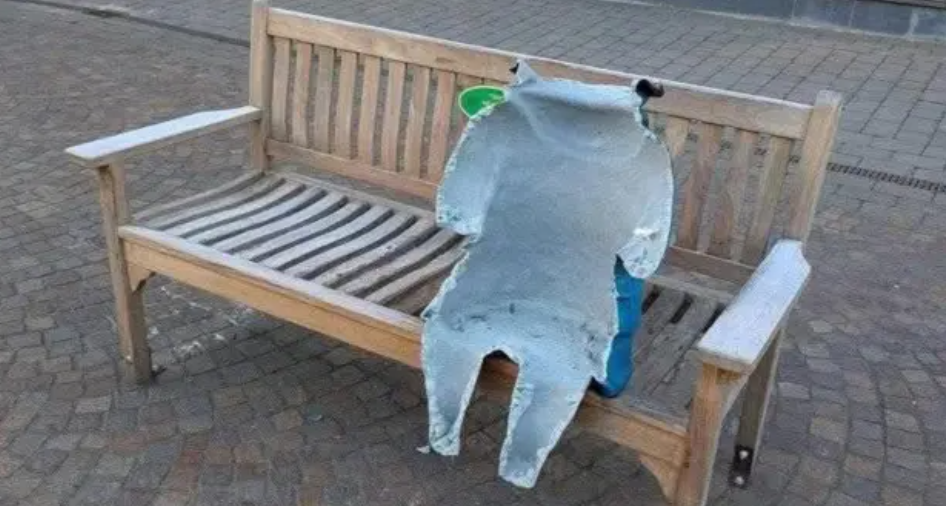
(894, 119)
(254, 411)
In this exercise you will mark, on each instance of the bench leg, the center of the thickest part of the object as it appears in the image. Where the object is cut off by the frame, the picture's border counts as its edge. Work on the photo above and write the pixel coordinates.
(712, 398)
(752, 418)
(129, 305)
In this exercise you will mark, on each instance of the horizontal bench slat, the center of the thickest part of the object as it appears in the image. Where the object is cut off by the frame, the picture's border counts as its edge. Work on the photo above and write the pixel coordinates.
(324, 206)
(355, 169)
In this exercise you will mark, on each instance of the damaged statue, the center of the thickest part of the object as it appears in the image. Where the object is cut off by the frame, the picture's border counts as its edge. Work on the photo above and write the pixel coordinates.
(566, 198)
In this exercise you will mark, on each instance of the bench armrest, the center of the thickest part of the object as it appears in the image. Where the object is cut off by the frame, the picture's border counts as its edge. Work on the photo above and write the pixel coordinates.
(741, 335)
(117, 147)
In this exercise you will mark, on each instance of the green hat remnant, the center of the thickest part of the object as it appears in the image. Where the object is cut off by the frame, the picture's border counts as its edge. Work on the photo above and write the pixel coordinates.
(479, 98)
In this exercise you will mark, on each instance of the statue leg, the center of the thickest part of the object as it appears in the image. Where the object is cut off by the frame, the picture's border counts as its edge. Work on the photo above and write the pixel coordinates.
(544, 402)
(450, 373)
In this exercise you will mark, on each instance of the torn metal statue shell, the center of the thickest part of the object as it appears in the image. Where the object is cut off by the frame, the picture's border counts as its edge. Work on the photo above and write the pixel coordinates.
(549, 185)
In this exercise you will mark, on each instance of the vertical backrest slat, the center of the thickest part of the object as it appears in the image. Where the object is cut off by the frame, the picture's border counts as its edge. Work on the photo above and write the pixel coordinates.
(323, 98)
(300, 94)
(371, 84)
(440, 124)
(771, 179)
(280, 88)
(697, 185)
(815, 153)
(391, 126)
(261, 81)
(345, 103)
(675, 134)
(731, 196)
(417, 114)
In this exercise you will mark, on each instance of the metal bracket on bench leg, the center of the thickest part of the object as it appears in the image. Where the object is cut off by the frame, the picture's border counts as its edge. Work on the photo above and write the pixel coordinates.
(741, 468)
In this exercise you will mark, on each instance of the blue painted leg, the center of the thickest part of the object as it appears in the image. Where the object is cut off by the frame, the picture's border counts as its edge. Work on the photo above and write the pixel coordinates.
(630, 294)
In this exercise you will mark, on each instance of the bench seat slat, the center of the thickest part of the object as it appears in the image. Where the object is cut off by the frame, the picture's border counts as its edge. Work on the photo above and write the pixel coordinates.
(314, 211)
(257, 220)
(672, 343)
(656, 317)
(299, 234)
(397, 245)
(417, 277)
(392, 226)
(278, 194)
(201, 198)
(364, 222)
(226, 201)
(430, 248)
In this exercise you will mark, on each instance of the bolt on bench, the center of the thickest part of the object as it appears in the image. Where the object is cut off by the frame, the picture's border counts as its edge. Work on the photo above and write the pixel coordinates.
(378, 107)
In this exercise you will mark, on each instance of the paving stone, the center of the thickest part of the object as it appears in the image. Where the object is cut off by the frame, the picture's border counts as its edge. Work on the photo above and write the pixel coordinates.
(19, 485)
(903, 439)
(65, 442)
(45, 461)
(793, 391)
(867, 448)
(907, 459)
(841, 499)
(93, 441)
(868, 430)
(96, 492)
(26, 444)
(900, 497)
(830, 430)
(902, 421)
(287, 420)
(93, 405)
(215, 475)
(228, 397)
(146, 476)
(9, 464)
(903, 478)
(196, 424)
(156, 413)
(114, 465)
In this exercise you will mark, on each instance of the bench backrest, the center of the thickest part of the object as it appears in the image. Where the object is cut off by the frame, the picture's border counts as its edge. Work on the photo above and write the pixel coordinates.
(380, 106)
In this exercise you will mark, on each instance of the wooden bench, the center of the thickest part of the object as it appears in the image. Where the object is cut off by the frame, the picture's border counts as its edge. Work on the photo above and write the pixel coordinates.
(378, 107)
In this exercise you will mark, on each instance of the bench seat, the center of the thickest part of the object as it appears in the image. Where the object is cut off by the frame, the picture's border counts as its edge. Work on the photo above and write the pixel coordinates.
(375, 249)
(392, 254)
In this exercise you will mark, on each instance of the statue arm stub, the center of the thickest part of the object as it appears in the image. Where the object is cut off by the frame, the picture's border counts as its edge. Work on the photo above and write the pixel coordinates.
(650, 235)
(469, 180)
